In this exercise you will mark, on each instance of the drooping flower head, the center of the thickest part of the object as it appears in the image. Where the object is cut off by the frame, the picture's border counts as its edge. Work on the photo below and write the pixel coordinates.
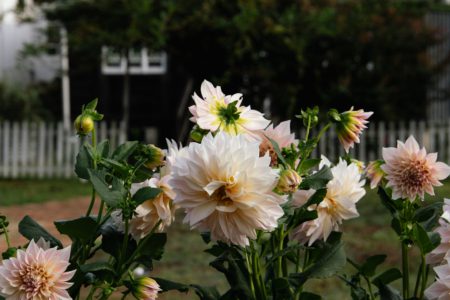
(216, 111)
(374, 173)
(146, 288)
(226, 188)
(350, 126)
(440, 289)
(151, 211)
(343, 192)
(281, 134)
(36, 273)
(411, 172)
(442, 252)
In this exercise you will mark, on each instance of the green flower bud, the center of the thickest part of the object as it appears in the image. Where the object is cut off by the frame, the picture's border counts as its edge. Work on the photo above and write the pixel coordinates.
(84, 124)
(145, 288)
(289, 181)
(155, 157)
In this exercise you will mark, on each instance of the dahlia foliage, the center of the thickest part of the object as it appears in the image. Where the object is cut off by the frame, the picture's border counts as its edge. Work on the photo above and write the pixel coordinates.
(271, 215)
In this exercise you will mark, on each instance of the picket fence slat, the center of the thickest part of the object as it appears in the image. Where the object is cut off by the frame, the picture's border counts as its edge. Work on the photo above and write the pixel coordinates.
(44, 150)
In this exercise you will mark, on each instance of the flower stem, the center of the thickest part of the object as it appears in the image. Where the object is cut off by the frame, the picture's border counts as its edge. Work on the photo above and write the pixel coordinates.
(94, 162)
(425, 271)
(405, 270)
(250, 273)
(5, 231)
(308, 128)
(280, 248)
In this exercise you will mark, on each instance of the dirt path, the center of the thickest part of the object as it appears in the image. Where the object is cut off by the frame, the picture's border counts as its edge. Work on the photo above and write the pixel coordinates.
(44, 213)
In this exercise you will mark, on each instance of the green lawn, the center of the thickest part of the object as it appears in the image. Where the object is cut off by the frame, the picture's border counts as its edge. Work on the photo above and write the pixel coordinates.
(36, 191)
(185, 261)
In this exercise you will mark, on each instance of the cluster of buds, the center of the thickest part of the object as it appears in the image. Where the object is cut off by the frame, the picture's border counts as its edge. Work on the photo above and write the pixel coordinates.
(84, 123)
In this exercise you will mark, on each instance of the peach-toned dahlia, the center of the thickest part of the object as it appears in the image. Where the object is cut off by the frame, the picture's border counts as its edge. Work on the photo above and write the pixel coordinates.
(217, 111)
(226, 188)
(374, 173)
(440, 289)
(146, 289)
(36, 274)
(343, 192)
(410, 171)
(442, 252)
(350, 127)
(281, 134)
(148, 214)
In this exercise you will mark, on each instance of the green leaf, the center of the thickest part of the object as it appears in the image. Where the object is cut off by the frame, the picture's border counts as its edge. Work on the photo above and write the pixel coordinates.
(309, 296)
(423, 239)
(167, 285)
(429, 215)
(317, 197)
(153, 246)
(326, 261)
(92, 105)
(146, 193)
(277, 150)
(308, 164)
(83, 228)
(95, 267)
(33, 231)
(110, 196)
(388, 293)
(387, 277)
(83, 162)
(112, 240)
(103, 149)
(317, 180)
(206, 292)
(124, 151)
(392, 205)
(371, 264)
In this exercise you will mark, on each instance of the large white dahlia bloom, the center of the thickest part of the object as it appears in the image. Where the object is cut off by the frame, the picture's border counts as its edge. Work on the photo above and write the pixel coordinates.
(217, 111)
(226, 188)
(36, 273)
(343, 192)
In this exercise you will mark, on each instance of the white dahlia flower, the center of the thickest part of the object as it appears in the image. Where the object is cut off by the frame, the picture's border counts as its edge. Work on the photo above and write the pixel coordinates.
(36, 273)
(410, 171)
(442, 252)
(148, 214)
(343, 192)
(226, 188)
(217, 111)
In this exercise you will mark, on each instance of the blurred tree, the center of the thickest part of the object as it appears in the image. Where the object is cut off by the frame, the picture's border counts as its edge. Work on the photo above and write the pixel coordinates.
(370, 54)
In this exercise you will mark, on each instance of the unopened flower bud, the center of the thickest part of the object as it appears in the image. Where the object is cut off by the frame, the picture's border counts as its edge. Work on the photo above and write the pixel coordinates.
(84, 124)
(155, 157)
(289, 181)
(375, 173)
(145, 288)
(359, 164)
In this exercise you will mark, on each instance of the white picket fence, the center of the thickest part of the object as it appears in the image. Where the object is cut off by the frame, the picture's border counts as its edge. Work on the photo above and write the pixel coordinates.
(435, 137)
(43, 150)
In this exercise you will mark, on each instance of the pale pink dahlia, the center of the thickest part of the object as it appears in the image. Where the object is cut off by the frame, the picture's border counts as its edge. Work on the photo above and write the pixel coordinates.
(410, 171)
(36, 274)
(226, 188)
(442, 252)
(343, 192)
(350, 127)
(146, 289)
(216, 111)
(440, 289)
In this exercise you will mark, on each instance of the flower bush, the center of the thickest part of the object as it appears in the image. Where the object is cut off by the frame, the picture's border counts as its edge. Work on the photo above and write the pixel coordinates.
(271, 215)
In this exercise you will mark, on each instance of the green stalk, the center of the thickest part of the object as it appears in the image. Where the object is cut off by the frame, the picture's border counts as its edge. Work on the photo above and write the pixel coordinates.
(250, 272)
(280, 248)
(308, 128)
(405, 270)
(425, 271)
(6, 235)
(91, 293)
(418, 280)
(94, 162)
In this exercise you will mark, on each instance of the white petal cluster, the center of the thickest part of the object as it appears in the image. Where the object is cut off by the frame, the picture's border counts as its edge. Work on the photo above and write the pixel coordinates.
(343, 192)
(226, 188)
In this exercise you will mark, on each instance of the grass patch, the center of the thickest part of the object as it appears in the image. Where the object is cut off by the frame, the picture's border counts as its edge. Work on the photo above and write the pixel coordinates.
(16, 192)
